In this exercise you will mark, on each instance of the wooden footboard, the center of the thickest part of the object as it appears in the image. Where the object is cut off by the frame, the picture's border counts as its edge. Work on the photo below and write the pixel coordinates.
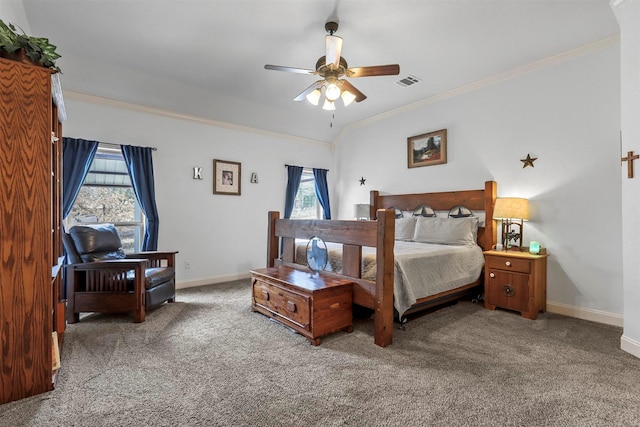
(353, 235)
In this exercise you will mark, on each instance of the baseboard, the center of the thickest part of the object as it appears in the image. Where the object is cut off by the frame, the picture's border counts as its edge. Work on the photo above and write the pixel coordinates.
(211, 280)
(630, 346)
(586, 314)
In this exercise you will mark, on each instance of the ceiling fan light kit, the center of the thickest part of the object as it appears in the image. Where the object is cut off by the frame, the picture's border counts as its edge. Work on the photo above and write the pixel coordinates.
(314, 96)
(347, 97)
(333, 68)
(328, 105)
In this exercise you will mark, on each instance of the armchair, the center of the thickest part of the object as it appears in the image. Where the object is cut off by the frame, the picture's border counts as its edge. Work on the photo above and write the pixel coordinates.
(101, 278)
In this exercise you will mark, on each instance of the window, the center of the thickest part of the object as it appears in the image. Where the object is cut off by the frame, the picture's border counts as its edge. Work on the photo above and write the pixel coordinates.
(107, 196)
(306, 205)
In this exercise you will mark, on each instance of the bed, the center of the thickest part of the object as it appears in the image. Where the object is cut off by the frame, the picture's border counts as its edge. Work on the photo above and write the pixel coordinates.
(357, 239)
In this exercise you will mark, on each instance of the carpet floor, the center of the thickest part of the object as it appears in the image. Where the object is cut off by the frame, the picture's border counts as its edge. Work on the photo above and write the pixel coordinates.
(208, 360)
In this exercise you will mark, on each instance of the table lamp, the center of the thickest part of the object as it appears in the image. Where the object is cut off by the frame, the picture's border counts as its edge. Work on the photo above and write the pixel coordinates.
(513, 211)
(362, 211)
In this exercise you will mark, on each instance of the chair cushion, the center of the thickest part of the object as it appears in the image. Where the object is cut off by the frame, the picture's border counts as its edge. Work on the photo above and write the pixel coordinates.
(97, 242)
(157, 275)
(153, 277)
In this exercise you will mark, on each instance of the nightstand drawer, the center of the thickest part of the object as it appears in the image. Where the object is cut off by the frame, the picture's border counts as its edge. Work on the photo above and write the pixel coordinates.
(510, 264)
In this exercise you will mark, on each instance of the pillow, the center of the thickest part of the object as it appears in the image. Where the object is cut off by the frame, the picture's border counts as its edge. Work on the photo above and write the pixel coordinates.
(405, 228)
(446, 231)
(398, 212)
(424, 211)
(460, 212)
(407, 214)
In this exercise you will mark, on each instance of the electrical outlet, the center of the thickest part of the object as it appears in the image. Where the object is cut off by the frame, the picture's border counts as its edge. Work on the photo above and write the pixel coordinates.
(187, 265)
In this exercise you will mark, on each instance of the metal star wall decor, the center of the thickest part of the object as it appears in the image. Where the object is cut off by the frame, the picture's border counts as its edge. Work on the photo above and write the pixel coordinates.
(528, 161)
(362, 180)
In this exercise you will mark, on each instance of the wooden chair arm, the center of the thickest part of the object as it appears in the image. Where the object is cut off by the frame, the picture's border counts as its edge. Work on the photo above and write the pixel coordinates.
(155, 258)
(116, 264)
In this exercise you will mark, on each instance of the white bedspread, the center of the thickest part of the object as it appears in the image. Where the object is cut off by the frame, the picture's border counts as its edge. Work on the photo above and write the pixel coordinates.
(421, 269)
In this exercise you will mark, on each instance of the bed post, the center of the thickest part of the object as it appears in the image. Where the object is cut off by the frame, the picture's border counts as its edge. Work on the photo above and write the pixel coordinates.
(490, 224)
(383, 301)
(272, 240)
(373, 203)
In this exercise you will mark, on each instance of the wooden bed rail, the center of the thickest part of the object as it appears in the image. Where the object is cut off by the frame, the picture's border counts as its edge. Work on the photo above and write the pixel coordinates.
(353, 235)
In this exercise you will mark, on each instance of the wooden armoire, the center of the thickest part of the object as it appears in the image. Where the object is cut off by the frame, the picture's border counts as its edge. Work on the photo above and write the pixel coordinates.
(31, 304)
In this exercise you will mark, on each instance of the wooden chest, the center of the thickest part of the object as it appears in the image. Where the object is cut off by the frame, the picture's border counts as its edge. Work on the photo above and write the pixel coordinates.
(313, 306)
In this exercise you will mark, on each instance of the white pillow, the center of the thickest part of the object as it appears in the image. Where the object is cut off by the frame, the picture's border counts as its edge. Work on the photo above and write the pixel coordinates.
(446, 231)
(405, 228)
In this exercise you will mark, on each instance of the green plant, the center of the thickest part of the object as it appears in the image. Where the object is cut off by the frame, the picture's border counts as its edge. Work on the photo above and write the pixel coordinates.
(38, 49)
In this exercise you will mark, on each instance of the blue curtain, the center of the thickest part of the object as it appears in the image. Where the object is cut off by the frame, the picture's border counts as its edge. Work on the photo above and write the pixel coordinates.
(140, 164)
(322, 191)
(293, 183)
(77, 155)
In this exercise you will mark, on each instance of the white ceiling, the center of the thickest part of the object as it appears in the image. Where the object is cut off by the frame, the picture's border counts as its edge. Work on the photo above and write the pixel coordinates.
(206, 58)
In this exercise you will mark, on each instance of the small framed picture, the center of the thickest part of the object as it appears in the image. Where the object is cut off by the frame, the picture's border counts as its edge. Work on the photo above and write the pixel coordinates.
(427, 149)
(226, 177)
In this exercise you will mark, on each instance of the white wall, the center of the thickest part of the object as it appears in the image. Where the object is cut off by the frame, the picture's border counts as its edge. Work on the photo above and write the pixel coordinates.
(568, 116)
(628, 15)
(222, 236)
(12, 12)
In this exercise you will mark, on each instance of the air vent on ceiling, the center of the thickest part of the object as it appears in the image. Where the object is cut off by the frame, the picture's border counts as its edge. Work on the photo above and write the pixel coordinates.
(408, 81)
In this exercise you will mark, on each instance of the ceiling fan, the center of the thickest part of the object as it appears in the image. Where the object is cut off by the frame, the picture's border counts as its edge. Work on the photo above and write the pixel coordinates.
(333, 69)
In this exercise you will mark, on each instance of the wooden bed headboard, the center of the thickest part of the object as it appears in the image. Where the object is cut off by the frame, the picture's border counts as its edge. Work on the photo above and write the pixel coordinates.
(476, 200)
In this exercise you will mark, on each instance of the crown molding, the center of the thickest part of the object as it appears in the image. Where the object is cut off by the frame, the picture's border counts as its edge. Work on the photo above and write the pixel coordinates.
(490, 81)
(618, 3)
(109, 102)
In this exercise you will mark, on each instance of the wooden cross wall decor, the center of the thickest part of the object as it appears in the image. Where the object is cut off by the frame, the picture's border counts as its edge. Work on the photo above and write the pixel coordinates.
(629, 159)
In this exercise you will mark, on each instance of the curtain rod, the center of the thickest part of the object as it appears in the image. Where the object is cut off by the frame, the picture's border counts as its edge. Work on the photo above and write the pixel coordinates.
(113, 145)
(304, 167)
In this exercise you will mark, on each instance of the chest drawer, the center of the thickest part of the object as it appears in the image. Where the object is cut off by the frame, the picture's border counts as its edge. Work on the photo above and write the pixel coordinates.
(509, 264)
(290, 305)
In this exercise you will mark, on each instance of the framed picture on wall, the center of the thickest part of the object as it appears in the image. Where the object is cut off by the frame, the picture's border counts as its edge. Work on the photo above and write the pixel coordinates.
(226, 177)
(427, 149)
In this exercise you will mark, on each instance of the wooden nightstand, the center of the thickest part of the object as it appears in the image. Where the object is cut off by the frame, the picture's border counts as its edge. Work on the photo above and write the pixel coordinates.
(515, 281)
(313, 306)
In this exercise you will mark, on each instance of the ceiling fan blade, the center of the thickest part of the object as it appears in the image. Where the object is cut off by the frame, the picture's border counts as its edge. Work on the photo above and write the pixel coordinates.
(334, 49)
(289, 69)
(376, 70)
(307, 91)
(345, 85)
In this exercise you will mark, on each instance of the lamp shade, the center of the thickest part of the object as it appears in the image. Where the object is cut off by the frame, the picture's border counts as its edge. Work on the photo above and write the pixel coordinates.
(332, 92)
(328, 105)
(511, 208)
(314, 96)
(347, 97)
(362, 211)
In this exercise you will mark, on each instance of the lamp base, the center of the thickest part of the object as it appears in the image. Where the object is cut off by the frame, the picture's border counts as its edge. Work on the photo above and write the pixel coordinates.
(509, 235)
